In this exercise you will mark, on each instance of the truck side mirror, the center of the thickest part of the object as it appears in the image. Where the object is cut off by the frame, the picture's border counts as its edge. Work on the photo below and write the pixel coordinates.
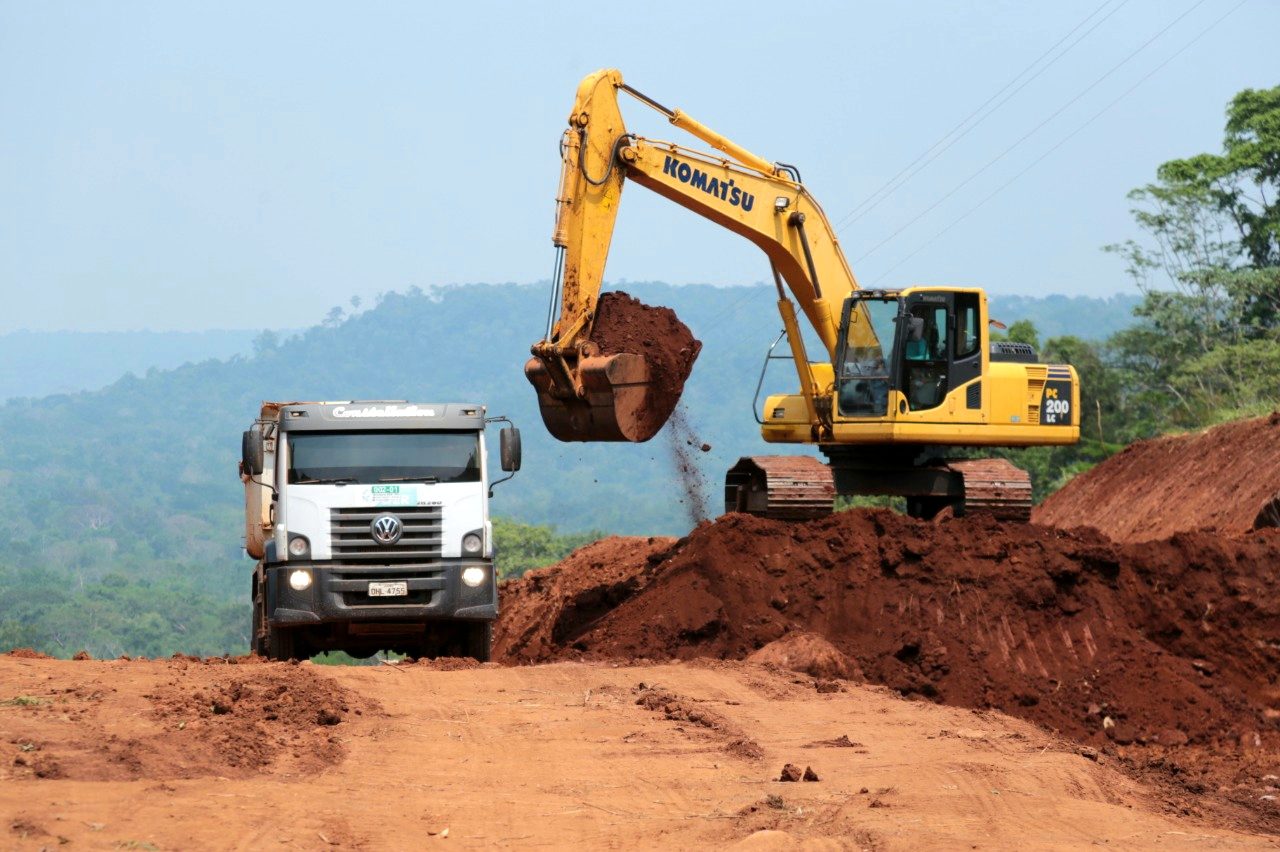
(509, 448)
(251, 452)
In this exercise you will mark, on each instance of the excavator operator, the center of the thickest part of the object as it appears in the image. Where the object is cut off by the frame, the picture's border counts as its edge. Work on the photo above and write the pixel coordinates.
(925, 354)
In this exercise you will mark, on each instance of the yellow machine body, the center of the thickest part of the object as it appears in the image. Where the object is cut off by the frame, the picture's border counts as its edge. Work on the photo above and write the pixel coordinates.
(944, 383)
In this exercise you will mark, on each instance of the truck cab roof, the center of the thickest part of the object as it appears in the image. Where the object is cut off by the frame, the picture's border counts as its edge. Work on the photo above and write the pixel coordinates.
(373, 415)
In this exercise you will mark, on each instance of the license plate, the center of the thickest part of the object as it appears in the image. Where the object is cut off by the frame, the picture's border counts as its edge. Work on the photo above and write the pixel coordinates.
(388, 590)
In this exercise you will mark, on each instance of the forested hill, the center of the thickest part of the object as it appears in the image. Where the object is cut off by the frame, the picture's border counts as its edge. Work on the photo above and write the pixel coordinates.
(40, 363)
(128, 496)
(169, 439)
(1055, 315)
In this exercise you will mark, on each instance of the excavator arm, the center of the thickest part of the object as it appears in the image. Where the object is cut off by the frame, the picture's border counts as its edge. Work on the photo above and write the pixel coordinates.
(586, 396)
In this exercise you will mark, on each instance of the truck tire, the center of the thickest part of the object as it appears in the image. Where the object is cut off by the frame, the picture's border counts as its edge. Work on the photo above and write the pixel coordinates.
(477, 640)
(256, 645)
(282, 643)
(258, 626)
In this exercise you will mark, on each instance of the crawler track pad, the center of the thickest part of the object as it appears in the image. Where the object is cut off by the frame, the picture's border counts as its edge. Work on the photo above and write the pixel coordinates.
(790, 488)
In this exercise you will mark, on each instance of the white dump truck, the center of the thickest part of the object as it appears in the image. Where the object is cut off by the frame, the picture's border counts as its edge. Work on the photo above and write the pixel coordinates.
(370, 524)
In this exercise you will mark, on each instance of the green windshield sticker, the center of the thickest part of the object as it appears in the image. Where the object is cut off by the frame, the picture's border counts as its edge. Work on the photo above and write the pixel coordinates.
(391, 495)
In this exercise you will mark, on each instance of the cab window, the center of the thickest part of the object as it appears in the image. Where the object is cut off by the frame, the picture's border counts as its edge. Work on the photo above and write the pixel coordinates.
(967, 337)
(926, 356)
(863, 379)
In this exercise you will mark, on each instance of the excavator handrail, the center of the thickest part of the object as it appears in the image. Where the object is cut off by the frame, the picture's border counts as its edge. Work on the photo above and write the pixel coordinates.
(764, 367)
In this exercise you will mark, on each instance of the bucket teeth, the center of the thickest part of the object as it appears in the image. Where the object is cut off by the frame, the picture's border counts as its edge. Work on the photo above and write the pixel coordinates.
(615, 401)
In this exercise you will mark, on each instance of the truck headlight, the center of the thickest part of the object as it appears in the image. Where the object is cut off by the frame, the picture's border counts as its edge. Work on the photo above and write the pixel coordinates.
(471, 544)
(300, 581)
(299, 547)
(473, 576)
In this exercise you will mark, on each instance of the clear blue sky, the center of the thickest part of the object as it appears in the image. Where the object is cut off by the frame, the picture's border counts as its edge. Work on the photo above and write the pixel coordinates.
(188, 166)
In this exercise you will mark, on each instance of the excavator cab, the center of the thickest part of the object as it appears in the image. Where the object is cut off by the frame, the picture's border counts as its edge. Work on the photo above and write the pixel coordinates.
(931, 346)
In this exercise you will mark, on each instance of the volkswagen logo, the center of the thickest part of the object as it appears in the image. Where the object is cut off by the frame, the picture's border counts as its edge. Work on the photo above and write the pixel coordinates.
(386, 529)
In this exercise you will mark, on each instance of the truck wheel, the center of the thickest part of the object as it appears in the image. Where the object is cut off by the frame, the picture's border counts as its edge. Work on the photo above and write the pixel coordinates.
(282, 644)
(257, 627)
(478, 640)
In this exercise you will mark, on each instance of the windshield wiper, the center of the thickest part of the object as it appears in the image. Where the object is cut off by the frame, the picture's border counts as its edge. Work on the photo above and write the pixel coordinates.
(423, 479)
(337, 480)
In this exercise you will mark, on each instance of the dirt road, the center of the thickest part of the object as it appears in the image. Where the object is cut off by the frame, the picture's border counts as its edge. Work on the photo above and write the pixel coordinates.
(189, 755)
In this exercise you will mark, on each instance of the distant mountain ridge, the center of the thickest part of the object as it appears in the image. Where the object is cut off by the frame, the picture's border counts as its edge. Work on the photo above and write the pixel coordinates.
(1087, 317)
(43, 363)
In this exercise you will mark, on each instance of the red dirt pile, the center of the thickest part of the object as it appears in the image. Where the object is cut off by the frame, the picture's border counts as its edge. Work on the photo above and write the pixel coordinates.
(1226, 479)
(1150, 647)
(542, 610)
(186, 719)
(625, 324)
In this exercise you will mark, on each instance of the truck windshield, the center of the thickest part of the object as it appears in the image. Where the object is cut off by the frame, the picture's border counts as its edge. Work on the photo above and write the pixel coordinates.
(371, 457)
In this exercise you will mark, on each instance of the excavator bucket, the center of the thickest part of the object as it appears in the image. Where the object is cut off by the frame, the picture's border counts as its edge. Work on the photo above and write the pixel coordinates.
(616, 400)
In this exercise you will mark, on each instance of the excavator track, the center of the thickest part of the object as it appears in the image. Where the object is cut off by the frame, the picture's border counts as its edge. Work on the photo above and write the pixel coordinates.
(787, 488)
(996, 487)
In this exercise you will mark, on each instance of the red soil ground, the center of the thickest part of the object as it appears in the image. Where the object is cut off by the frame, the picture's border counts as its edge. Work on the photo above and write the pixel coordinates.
(1166, 653)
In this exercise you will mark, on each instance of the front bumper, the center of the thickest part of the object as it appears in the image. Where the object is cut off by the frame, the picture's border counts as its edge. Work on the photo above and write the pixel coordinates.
(339, 593)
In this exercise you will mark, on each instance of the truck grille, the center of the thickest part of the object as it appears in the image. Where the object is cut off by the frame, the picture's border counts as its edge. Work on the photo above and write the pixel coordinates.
(353, 585)
(421, 539)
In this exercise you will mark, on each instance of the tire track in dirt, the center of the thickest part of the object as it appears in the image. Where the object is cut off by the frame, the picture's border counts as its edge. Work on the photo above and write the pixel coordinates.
(562, 755)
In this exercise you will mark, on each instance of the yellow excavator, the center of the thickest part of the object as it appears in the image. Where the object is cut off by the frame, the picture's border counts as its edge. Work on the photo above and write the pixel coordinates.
(908, 382)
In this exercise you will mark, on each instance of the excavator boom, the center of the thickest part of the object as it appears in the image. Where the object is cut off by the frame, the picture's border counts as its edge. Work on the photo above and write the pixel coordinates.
(589, 396)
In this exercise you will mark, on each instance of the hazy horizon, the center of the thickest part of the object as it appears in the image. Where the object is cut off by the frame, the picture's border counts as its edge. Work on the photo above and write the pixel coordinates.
(768, 308)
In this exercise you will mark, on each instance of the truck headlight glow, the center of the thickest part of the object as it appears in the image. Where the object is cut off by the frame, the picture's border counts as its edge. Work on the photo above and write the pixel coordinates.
(473, 576)
(471, 544)
(300, 581)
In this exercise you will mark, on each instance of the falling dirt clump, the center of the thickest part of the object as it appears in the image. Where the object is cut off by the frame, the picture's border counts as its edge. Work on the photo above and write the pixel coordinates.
(624, 324)
(1226, 478)
(693, 485)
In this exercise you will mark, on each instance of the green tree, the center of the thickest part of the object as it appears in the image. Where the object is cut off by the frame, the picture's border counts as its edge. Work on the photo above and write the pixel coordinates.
(1208, 335)
(1024, 331)
(523, 547)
